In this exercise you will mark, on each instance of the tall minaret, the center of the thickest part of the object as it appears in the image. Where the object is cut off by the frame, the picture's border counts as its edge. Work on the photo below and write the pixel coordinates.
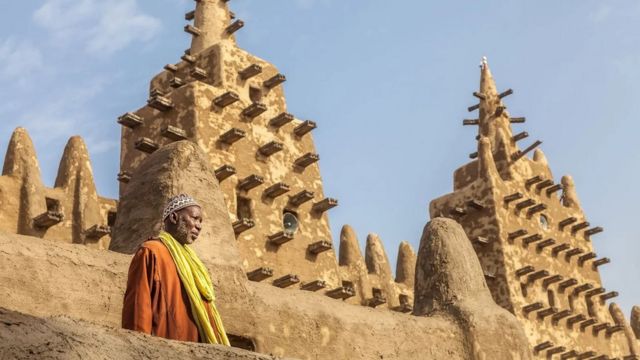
(535, 246)
(232, 104)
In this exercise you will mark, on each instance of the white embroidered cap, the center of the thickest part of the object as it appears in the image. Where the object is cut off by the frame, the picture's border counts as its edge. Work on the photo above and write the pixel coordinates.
(176, 203)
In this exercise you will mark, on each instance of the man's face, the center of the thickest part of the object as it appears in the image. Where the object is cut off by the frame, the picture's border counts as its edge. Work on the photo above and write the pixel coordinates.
(188, 225)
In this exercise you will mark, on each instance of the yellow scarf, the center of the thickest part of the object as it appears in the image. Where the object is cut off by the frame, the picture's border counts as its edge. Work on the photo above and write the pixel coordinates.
(196, 281)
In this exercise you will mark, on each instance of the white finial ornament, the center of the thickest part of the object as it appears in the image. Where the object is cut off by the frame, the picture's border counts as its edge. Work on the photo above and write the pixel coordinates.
(483, 63)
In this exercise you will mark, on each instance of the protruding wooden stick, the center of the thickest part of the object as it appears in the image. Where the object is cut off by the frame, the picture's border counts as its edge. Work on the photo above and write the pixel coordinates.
(520, 136)
(531, 238)
(536, 275)
(534, 180)
(505, 93)
(542, 346)
(232, 136)
(518, 155)
(242, 225)
(525, 204)
(235, 26)
(581, 288)
(280, 237)
(479, 95)
(586, 323)
(567, 221)
(226, 99)
(593, 231)
(260, 274)
(567, 283)
(575, 319)
(286, 281)
(270, 148)
(304, 127)
(577, 227)
(276, 190)
(545, 244)
(560, 315)
(547, 312)
(543, 184)
(250, 182)
(573, 252)
(517, 233)
(609, 295)
(224, 172)
(559, 248)
(553, 189)
(250, 71)
(532, 307)
(524, 270)
(513, 197)
(314, 285)
(551, 279)
(274, 81)
(254, 110)
(586, 257)
(536, 209)
(600, 262)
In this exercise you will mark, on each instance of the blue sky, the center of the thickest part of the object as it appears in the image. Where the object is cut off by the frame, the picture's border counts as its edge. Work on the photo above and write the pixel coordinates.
(387, 82)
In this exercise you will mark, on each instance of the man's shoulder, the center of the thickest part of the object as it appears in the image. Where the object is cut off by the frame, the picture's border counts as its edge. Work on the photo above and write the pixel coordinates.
(154, 245)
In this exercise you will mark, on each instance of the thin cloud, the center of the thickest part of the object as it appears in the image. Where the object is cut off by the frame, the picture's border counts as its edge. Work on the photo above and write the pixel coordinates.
(19, 59)
(101, 27)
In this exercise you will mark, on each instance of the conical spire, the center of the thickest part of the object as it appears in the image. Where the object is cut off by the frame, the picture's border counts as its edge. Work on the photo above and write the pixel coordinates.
(21, 159)
(351, 258)
(350, 253)
(76, 178)
(376, 258)
(487, 84)
(569, 194)
(21, 162)
(75, 160)
(540, 158)
(211, 19)
(492, 112)
(406, 265)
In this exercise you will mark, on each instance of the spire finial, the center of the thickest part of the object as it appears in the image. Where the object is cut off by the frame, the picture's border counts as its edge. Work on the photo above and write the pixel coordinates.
(483, 62)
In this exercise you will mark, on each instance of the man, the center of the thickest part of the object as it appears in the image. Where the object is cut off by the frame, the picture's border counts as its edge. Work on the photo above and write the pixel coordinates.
(169, 291)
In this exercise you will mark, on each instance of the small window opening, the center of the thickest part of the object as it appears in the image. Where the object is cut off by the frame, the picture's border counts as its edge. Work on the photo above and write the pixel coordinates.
(404, 299)
(544, 222)
(243, 210)
(111, 218)
(53, 205)
(255, 94)
(290, 221)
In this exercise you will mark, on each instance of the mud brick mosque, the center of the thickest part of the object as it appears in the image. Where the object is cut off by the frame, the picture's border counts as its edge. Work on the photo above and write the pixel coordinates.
(505, 269)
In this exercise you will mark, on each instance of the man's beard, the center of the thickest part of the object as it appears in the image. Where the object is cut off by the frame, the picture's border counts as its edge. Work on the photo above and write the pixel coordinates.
(182, 234)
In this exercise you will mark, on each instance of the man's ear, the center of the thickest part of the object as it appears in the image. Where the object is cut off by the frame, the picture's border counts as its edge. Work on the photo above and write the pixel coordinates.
(173, 217)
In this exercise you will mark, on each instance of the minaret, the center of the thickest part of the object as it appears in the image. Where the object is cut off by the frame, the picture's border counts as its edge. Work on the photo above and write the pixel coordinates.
(232, 105)
(534, 244)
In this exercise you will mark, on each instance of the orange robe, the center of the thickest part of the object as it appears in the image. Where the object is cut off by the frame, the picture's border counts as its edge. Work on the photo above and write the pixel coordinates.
(155, 301)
